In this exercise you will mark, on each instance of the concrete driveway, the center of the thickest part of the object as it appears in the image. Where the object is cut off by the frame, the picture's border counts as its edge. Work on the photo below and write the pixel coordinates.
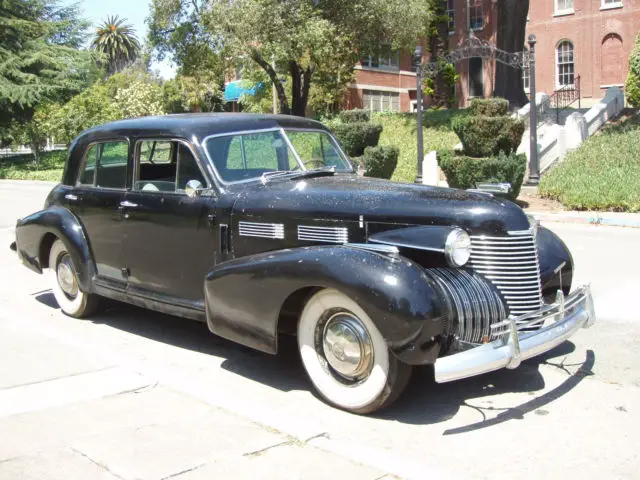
(136, 394)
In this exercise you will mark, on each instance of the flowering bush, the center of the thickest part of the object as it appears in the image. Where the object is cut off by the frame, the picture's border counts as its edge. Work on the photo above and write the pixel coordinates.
(140, 99)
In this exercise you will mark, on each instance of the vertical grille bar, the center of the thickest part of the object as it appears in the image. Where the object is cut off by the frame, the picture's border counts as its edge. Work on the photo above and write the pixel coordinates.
(511, 264)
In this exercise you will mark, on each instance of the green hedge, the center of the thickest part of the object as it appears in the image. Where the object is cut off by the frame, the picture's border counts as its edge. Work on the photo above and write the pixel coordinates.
(632, 86)
(466, 172)
(483, 136)
(355, 137)
(489, 107)
(380, 162)
(354, 116)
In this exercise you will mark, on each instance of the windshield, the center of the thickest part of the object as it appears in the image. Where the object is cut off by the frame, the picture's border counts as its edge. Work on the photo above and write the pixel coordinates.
(248, 156)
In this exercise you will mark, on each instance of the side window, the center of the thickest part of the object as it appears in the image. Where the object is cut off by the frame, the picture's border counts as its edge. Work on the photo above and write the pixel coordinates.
(165, 166)
(112, 164)
(105, 165)
(88, 173)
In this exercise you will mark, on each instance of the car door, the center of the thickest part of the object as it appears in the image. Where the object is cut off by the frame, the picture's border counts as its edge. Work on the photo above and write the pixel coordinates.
(169, 244)
(96, 199)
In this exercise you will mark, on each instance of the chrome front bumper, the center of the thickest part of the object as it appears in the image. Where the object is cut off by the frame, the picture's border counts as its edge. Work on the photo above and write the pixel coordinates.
(559, 321)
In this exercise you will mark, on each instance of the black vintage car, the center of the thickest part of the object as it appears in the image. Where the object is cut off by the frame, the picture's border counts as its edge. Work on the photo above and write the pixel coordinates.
(258, 225)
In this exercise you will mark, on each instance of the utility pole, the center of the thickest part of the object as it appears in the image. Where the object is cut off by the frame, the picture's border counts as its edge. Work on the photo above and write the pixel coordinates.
(417, 61)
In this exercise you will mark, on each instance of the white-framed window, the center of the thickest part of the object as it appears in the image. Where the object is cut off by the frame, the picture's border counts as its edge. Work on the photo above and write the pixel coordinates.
(563, 7)
(476, 77)
(525, 73)
(607, 4)
(476, 15)
(565, 66)
(381, 101)
(451, 13)
(387, 59)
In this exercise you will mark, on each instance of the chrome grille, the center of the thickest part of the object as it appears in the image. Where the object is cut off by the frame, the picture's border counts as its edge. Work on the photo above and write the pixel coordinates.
(511, 264)
(261, 230)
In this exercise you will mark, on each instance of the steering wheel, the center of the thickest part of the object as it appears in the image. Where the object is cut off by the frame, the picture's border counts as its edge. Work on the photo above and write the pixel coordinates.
(316, 161)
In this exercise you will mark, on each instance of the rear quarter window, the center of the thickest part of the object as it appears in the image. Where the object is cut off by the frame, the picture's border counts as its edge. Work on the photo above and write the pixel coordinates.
(105, 165)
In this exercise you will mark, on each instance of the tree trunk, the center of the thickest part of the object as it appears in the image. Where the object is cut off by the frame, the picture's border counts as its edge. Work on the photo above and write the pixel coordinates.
(300, 84)
(512, 24)
(277, 83)
(438, 43)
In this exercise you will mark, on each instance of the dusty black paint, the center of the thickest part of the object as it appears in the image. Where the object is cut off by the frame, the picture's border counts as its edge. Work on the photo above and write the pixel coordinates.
(158, 254)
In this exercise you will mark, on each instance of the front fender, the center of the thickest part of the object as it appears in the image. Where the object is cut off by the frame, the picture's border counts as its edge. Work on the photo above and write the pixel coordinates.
(556, 264)
(31, 232)
(245, 296)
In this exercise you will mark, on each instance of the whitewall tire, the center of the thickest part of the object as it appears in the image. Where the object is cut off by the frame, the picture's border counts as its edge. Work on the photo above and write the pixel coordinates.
(345, 355)
(64, 283)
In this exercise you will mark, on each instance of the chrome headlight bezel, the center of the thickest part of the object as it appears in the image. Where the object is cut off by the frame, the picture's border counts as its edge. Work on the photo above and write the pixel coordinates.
(457, 248)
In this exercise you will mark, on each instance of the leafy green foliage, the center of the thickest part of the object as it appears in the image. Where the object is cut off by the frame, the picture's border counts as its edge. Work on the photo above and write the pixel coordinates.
(21, 167)
(489, 107)
(191, 94)
(632, 87)
(380, 162)
(400, 131)
(117, 44)
(483, 136)
(354, 116)
(603, 174)
(40, 57)
(355, 137)
(466, 172)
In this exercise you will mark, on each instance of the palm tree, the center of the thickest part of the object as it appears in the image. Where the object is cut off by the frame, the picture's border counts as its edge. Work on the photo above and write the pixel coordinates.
(117, 43)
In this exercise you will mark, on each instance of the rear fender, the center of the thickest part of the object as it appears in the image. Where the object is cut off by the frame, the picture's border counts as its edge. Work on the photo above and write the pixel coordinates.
(32, 231)
(245, 296)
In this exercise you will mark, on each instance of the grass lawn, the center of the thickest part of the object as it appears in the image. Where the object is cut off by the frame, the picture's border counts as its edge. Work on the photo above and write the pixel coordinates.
(22, 167)
(603, 174)
(400, 131)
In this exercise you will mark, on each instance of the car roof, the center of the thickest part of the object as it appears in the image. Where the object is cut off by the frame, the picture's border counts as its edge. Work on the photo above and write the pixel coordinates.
(199, 124)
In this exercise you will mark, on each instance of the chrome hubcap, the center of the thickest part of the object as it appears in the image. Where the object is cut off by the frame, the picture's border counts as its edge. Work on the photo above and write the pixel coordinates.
(347, 346)
(66, 277)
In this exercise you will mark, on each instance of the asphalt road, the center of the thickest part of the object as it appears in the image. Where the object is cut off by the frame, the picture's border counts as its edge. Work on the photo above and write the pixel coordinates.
(136, 394)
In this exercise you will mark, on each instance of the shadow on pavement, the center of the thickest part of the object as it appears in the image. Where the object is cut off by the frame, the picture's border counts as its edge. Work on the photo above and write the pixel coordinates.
(423, 402)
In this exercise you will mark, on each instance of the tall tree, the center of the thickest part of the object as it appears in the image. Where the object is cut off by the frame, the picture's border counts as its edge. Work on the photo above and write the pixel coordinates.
(441, 86)
(512, 25)
(296, 42)
(117, 44)
(40, 57)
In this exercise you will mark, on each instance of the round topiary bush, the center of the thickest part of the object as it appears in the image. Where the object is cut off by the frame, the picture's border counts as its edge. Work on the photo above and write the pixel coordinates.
(484, 136)
(489, 107)
(466, 172)
(355, 137)
(380, 162)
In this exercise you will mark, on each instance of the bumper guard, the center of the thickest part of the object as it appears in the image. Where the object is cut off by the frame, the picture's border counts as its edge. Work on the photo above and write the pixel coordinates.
(559, 321)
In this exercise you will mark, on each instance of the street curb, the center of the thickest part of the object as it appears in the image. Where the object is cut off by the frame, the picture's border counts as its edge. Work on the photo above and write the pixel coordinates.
(588, 219)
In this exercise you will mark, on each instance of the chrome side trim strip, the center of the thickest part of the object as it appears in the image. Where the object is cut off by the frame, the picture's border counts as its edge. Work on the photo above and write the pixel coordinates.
(261, 230)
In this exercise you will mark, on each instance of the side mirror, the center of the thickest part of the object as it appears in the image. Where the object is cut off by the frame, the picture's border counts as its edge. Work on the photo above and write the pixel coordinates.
(193, 188)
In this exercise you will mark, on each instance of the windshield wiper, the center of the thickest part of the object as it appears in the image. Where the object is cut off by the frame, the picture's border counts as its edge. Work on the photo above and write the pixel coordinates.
(267, 176)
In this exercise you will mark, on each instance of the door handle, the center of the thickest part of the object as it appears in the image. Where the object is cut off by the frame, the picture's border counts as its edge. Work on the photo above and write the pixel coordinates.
(128, 204)
(71, 197)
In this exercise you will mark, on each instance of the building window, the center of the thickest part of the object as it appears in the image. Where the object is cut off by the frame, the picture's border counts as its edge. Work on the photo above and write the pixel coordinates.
(451, 13)
(476, 77)
(565, 65)
(387, 59)
(476, 15)
(564, 6)
(606, 4)
(525, 72)
(379, 101)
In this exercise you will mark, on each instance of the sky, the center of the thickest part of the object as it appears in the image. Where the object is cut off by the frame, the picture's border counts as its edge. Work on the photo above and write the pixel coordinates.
(135, 11)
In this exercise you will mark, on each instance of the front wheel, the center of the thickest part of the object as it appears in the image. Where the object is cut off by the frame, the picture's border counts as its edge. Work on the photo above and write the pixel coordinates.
(64, 283)
(346, 356)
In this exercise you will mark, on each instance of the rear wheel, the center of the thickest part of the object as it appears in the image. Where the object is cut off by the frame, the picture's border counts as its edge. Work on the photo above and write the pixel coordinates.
(64, 283)
(346, 356)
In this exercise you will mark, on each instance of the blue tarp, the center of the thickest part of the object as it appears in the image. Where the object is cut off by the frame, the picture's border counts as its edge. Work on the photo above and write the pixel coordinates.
(234, 90)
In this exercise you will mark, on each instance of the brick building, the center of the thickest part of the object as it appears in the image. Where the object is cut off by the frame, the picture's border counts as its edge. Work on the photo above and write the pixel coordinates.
(590, 38)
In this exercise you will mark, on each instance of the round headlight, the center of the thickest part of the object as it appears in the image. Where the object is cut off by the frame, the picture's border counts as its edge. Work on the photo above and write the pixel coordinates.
(457, 248)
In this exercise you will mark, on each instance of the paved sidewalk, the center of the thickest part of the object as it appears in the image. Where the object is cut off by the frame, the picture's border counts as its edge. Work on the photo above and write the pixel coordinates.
(611, 219)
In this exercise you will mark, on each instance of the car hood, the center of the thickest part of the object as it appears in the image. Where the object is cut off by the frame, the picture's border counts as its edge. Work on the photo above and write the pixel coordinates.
(368, 200)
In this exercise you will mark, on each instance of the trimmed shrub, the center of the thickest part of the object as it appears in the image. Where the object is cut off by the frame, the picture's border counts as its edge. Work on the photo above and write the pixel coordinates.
(354, 116)
(632, 87)
(483, 136)
(466, 172)
(489, 107)
(355, 137)
(380, 162)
